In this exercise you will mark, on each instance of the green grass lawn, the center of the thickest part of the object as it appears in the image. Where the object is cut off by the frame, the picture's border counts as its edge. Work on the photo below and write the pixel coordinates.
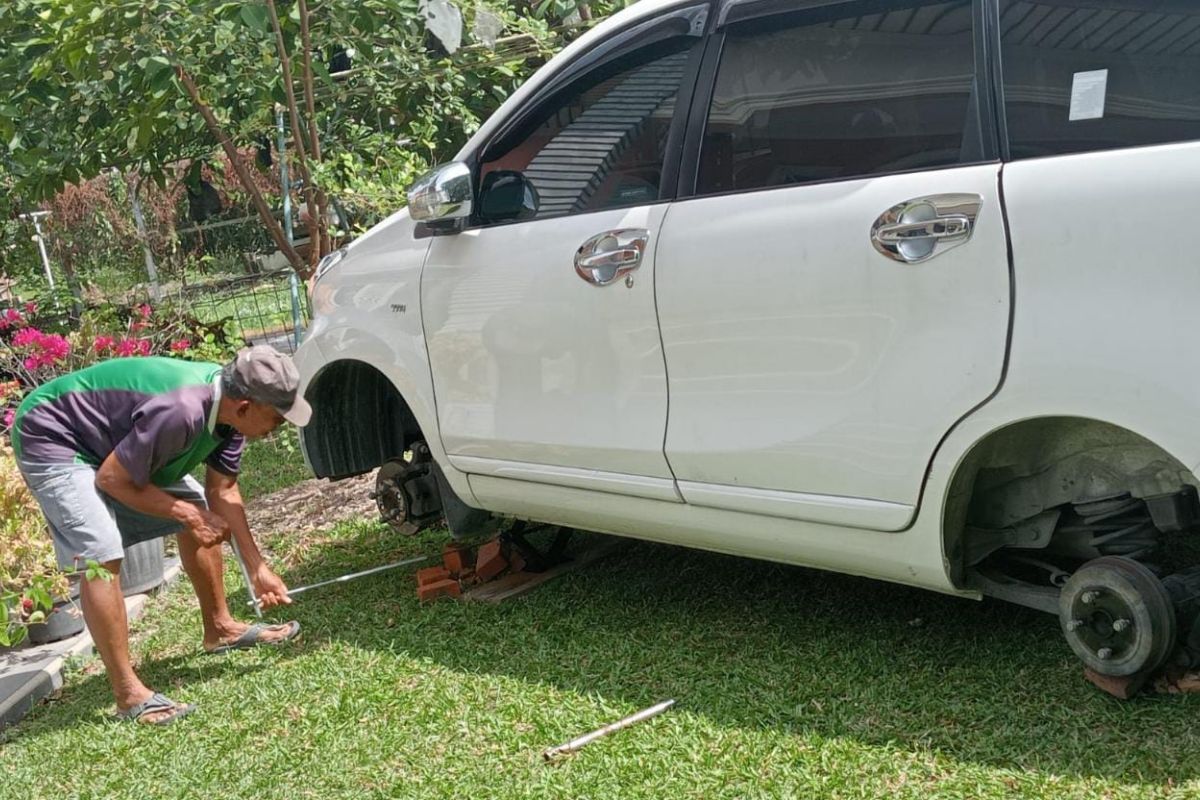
(268, 465)
(271, 464)
(790, 683)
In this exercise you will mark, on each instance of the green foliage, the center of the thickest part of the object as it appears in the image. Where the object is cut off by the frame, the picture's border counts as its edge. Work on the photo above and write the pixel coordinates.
(95, 84)
(29, 578)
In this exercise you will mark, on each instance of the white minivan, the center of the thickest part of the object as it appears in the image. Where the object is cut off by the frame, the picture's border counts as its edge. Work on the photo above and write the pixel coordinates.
(897, 288)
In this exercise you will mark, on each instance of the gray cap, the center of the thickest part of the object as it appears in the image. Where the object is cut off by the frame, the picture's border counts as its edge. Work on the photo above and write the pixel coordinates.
(265, 375)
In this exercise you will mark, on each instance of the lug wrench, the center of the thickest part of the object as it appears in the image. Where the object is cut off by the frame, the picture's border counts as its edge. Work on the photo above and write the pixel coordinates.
(341, 579)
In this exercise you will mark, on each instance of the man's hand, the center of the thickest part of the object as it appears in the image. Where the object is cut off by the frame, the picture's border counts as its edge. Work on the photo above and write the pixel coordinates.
(269, 588)
(208, 528)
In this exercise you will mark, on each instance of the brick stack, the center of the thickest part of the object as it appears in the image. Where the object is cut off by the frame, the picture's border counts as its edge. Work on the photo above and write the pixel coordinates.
(462, 568)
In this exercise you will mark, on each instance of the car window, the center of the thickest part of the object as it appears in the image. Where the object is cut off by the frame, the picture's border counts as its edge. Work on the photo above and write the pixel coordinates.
(604, 145)
(839, 93)
(1081, 76)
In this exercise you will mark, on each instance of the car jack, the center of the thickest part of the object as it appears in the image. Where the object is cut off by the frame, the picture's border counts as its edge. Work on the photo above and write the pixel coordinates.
(534, 559)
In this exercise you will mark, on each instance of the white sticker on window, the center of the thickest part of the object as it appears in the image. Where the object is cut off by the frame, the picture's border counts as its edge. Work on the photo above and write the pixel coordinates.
(1087, 94)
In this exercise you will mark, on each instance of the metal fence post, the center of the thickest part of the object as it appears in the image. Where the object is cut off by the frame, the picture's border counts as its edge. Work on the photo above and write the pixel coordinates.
(297, 325)
(283, 176)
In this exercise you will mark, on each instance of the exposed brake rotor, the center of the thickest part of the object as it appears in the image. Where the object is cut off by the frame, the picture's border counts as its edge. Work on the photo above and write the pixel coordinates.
(406, 492)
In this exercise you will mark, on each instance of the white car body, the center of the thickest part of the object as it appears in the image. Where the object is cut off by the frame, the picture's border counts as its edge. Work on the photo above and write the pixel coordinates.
(767, 384)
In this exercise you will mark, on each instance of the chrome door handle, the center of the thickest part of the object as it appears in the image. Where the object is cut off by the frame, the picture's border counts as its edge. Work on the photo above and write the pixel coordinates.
(607, 257)
(919, 229)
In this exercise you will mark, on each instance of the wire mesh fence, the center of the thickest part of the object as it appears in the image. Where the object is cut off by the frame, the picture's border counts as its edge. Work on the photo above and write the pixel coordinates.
(270, 308)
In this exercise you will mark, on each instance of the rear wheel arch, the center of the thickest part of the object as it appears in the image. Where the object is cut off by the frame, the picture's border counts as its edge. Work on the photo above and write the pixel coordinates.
(1019, 470)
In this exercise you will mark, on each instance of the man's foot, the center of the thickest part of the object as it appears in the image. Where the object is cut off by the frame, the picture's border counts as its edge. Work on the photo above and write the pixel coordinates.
(157, 709)
(253, 636)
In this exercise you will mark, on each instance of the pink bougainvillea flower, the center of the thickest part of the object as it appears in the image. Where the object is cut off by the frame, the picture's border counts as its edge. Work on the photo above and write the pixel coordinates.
(102, 343)
(31, 308)
(126, 348)
(54, 346)
(144, 311)
(180, 346)
(143, 347)
(8, 417)
(26, 337)
(42, 349)
(134, 327)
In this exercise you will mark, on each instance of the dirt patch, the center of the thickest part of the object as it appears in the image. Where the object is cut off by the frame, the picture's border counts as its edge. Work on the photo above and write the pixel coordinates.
(312, 505)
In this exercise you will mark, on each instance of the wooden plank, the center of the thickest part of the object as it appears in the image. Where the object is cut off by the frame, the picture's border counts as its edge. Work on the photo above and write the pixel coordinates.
(515, 584)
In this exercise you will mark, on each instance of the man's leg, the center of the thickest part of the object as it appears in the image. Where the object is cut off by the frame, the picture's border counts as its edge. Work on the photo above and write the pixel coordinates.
(205, 567)
(83, 529)
(104, 613)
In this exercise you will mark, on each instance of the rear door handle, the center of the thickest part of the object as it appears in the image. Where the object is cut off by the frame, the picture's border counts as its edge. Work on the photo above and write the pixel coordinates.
(919, 229)
(607, 257)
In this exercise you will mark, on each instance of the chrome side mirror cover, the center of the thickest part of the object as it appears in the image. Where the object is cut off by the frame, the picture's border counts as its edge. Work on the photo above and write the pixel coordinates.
(444, 194)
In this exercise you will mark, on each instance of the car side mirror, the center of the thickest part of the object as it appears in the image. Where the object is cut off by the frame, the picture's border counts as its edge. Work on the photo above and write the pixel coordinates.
(443, 197)
(507, 196)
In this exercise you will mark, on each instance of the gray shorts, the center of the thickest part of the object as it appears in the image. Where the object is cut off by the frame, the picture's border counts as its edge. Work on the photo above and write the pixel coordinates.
(87, 524)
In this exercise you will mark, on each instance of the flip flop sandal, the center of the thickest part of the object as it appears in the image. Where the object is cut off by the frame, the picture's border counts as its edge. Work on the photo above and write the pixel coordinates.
(153, 704)
(253, 638)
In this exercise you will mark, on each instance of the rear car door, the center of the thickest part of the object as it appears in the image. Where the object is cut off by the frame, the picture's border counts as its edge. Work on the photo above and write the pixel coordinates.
(835, 293)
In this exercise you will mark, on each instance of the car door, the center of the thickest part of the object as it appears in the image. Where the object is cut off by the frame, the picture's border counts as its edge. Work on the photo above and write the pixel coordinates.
(835, 294)
(540, 323)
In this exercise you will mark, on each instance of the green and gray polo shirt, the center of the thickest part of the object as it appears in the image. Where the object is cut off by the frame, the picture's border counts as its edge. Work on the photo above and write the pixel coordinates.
(158, 415)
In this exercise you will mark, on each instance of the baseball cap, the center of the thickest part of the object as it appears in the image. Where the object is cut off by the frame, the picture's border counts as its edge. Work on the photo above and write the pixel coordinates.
(265, 375)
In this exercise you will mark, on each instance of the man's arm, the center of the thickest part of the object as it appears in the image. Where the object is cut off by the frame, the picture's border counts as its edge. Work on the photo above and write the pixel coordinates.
(115, 481)
(225, 499)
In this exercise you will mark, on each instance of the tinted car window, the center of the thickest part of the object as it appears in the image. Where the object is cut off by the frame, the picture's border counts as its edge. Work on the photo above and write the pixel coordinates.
(839, 93)
(1082, 76)
(604, 145)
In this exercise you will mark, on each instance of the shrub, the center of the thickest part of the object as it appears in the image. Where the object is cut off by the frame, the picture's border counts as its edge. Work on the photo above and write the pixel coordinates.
(29, 576)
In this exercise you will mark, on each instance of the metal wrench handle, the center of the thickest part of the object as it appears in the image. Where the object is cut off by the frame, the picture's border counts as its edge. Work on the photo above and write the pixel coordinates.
(246, 577)
(354, 575)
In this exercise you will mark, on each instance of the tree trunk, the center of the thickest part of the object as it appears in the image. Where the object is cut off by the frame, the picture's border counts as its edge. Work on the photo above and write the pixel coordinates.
(239, 166)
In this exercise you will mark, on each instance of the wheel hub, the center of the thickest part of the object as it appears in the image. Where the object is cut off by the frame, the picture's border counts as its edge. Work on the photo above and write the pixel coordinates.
(1104, 625)
(1117, 617)
(406, 492)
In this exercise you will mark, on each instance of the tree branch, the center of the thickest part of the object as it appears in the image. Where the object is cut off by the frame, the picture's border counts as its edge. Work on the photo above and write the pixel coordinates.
(239, 166)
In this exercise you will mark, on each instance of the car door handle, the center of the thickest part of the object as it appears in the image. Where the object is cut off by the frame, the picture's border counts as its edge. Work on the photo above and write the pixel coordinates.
(607, 257)
(941, 229)
(919, 229)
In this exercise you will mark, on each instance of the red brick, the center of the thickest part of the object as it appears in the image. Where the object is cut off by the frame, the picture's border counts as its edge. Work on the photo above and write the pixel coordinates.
(446, 588)
(432, 575)
(1121, 688)
(456, 558)
(516, 561)
(490, 561)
